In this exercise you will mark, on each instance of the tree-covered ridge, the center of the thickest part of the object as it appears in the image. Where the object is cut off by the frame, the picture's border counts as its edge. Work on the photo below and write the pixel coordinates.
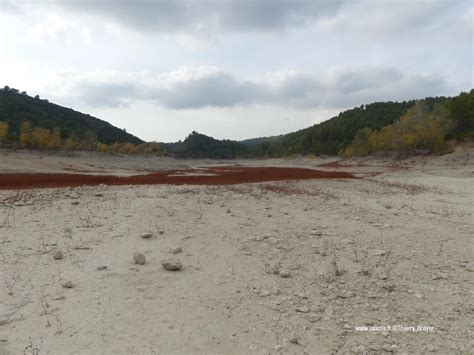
(198, 145)
(17, 107)
(333, 136)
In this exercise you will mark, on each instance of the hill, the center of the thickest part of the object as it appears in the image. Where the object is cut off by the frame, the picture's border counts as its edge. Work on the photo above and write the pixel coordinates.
(18, 107)
(252, 142)
(198, 145)
(331, 137)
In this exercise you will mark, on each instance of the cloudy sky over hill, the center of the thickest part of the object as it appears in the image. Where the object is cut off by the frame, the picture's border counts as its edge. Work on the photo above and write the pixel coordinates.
(233, 69)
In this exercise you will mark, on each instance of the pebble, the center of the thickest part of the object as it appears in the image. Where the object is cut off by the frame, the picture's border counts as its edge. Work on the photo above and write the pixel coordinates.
(313, 318)
(176, 250)
(470, 267)
(139, 258)
(67, 284)
(379, 252)
(303, 309)
(285, 273)
(58, 255)
(171, 264)
(146, 235)
(418, 295)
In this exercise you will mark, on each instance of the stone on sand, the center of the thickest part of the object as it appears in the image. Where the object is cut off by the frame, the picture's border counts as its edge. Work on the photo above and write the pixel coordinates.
(139, 258)
(172, 264)
(58, 255)
(176, 250)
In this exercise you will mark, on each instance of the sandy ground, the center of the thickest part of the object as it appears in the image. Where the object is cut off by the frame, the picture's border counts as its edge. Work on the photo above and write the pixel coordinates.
(275, 267)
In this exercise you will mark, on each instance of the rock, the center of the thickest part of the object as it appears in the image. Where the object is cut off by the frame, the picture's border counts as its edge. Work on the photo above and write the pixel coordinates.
(161, 231)
(294, 339)
(470, 267)
(139, 258)
(284, 273)
(228, 210)
(67, 284)
(279, 348)
(303, 309)
(316, 233)
(418, 295)
(172, 264)
(176, 250)
(103, 267)
(265, 293)
(58, 255)
(313, 318)
(146, 236)
(378, 252)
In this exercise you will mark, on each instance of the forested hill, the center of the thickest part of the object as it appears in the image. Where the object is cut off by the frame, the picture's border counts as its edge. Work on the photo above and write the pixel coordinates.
(198, 145)
(17, 107)
(330, 136)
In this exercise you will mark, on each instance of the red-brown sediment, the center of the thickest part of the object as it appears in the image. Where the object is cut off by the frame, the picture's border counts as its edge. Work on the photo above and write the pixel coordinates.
(205, 176)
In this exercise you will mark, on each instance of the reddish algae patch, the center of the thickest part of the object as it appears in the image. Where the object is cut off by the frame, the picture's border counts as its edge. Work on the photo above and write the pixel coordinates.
(203, 176)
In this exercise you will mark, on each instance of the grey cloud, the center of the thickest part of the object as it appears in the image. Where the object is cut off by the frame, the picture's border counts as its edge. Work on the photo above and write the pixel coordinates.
(201, 87)
(217, 90)
(204, 16)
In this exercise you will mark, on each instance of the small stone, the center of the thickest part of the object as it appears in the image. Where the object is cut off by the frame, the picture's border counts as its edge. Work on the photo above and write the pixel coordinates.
(378, 252)
(146, 235)
(161, 231)
(265, 293)
(103, 267)
(176, 250)
(294, 339)
(313, 318)
(470, 267)
(59, 298)
(228, 210)
(285, 273)
(139, 258)
(279, 347)
(418, 295)
(316, 233)
(67, 284)
(172, 264)
(58, 255)
(303, 309)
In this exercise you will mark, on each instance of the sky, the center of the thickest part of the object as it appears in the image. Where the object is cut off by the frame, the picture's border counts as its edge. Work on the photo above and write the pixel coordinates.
(233, 69)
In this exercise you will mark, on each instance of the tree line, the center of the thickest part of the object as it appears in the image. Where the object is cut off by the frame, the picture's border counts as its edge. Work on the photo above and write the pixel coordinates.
(41, 138)
(427, 125)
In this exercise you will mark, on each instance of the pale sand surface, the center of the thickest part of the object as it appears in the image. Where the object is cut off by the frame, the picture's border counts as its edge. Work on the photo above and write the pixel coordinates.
(394, 249)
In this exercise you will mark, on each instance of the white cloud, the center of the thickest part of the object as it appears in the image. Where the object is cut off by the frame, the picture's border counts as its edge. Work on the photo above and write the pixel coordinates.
(208, 86)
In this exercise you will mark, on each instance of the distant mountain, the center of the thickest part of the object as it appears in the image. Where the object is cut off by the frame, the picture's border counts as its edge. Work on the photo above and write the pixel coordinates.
(198, 145)
(16, 107)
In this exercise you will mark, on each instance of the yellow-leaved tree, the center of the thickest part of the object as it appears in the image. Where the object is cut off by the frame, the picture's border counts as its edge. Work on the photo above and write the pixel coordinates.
(26, 133)
(3, 132)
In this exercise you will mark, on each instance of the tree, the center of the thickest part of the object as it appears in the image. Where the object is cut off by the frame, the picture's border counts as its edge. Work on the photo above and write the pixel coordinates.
(26, 133)
(3, 132)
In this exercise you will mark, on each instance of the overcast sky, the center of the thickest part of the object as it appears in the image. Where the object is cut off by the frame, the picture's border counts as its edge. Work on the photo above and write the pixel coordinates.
(233, 69)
